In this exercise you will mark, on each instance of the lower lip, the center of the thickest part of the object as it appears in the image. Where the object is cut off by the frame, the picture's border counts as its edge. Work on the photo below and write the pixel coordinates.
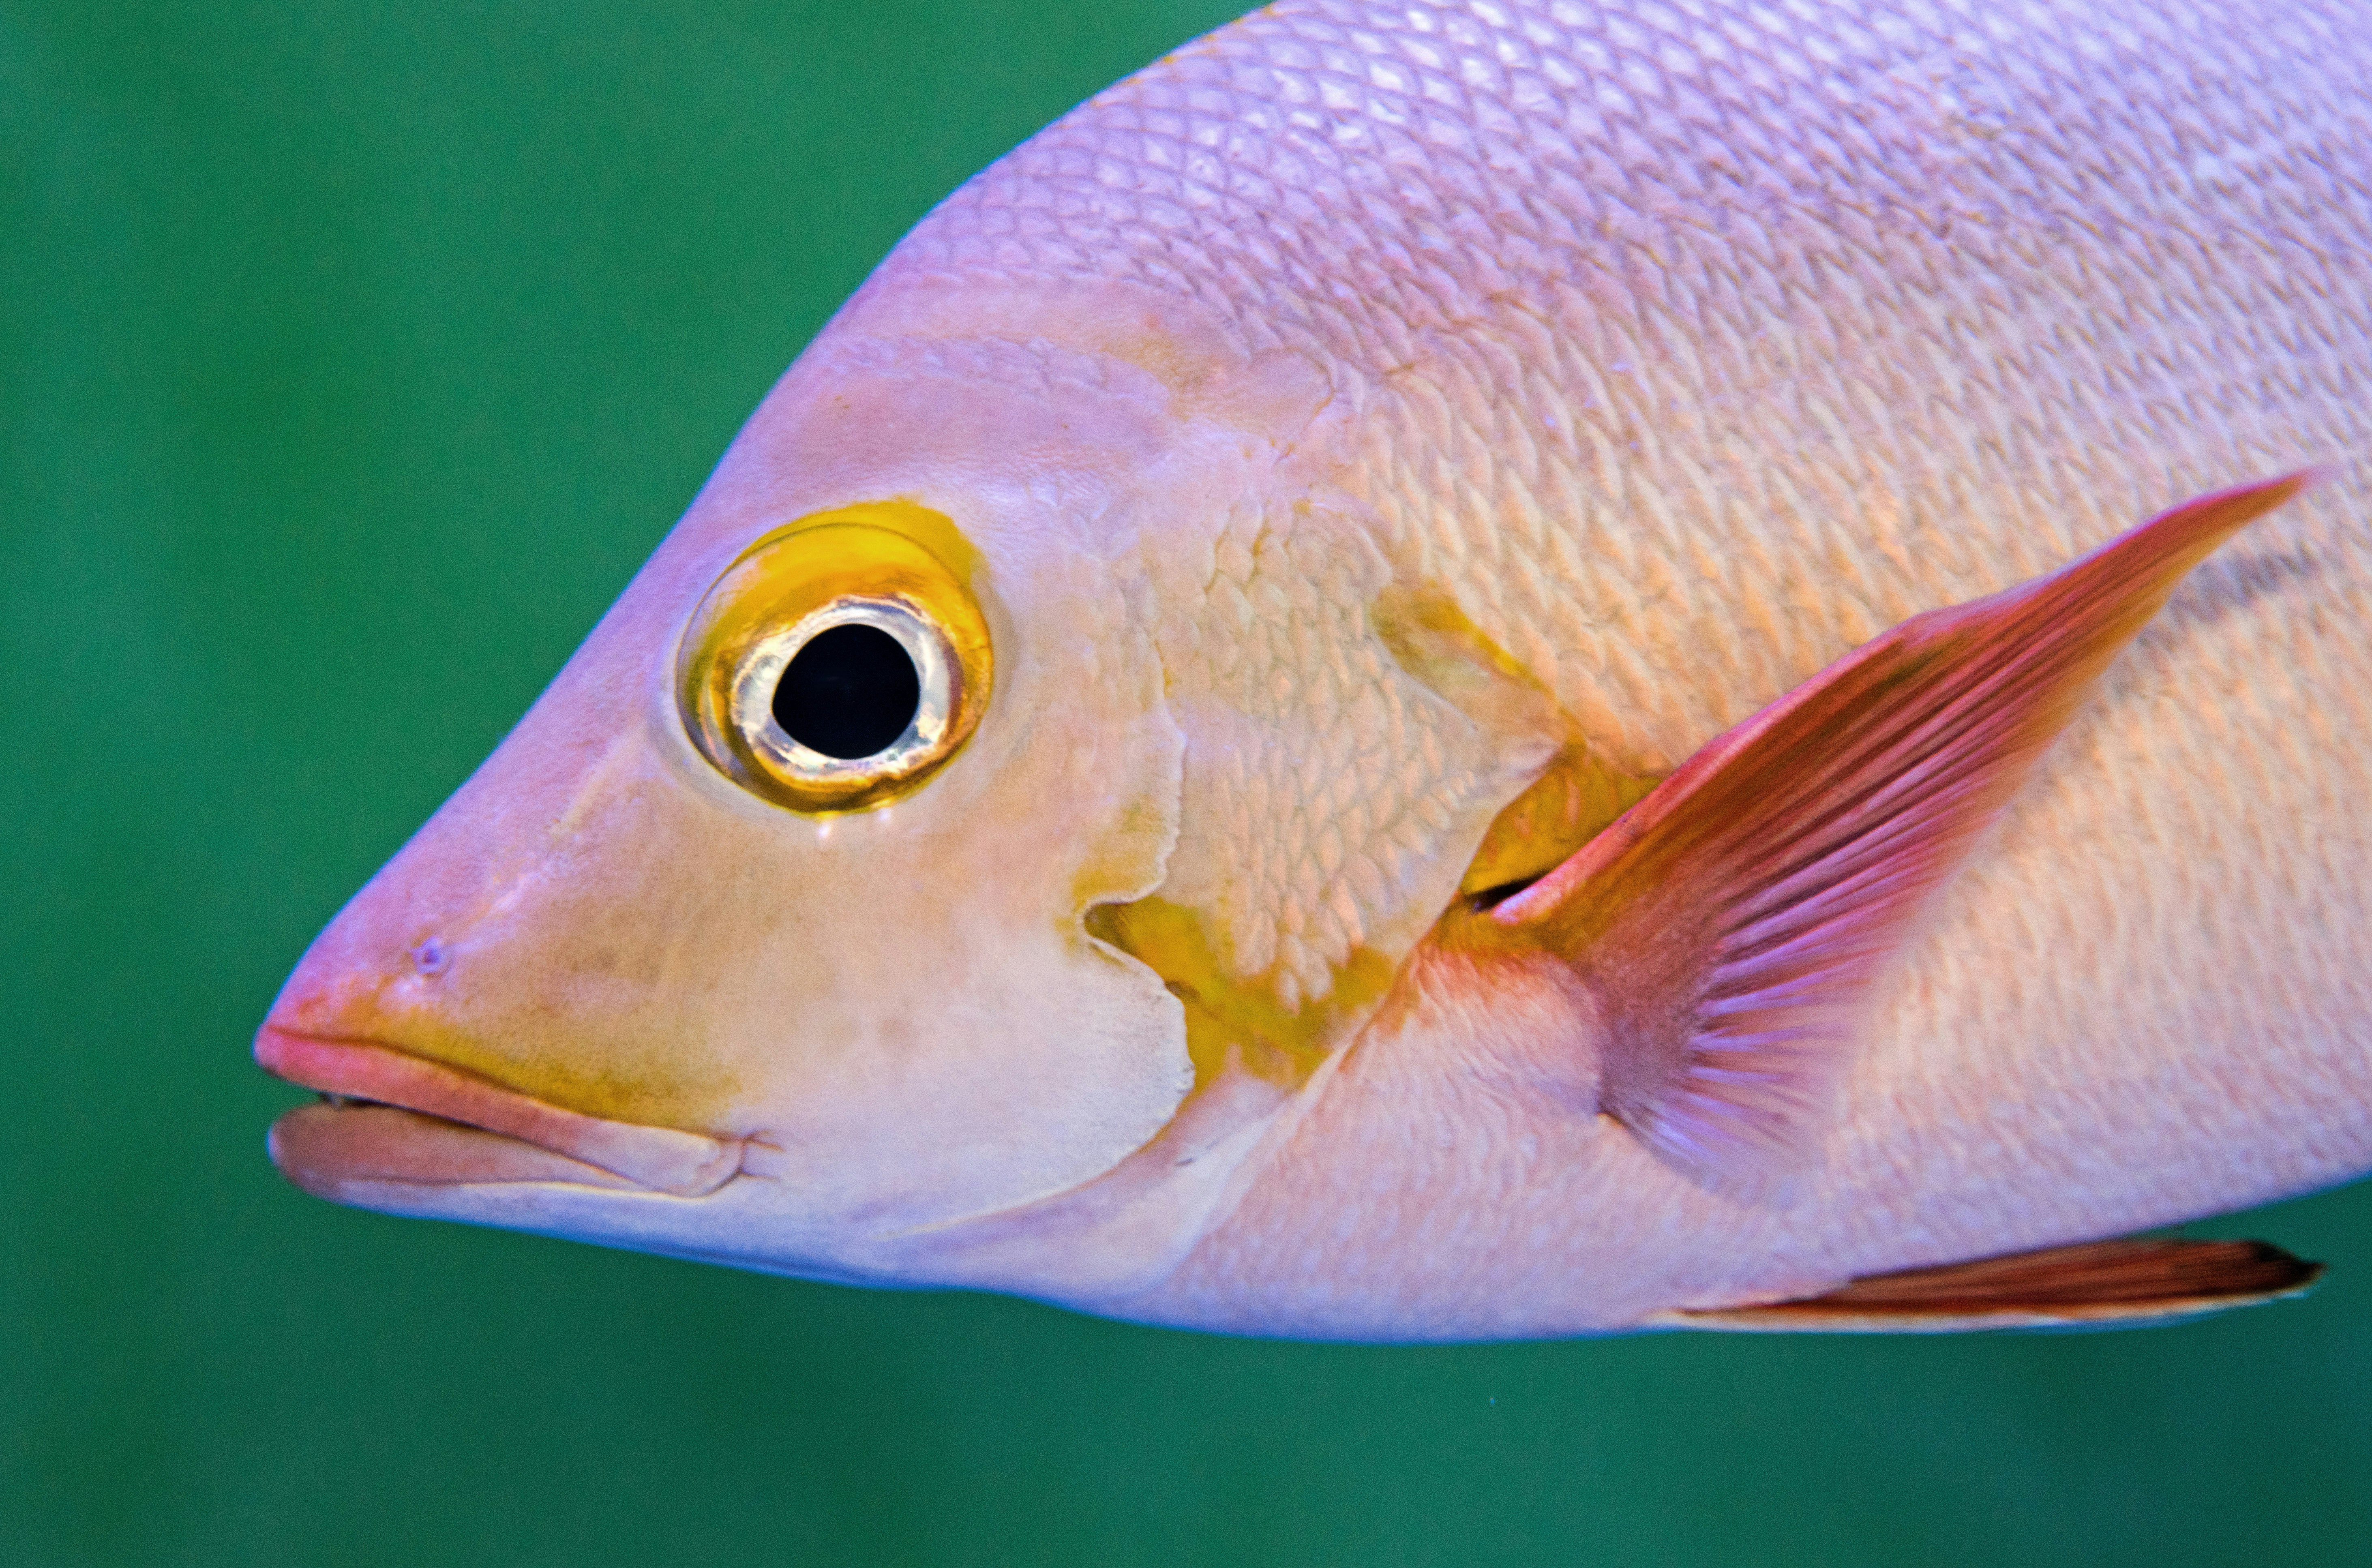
(659, 1159)
(355, 1153)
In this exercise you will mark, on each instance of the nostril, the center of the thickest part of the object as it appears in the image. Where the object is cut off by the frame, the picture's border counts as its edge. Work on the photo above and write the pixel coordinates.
(431, 959)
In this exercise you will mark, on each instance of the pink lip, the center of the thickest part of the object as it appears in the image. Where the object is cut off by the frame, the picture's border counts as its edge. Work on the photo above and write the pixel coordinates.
(430, 1125)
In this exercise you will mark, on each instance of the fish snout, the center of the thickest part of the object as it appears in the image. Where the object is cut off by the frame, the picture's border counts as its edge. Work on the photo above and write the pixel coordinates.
(432, 1075)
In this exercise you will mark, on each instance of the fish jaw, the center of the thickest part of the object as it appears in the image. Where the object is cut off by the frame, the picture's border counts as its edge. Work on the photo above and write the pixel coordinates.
(451, 1126)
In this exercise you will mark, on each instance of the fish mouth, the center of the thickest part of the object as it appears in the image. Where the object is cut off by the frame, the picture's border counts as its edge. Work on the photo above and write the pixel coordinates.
(389, 1117)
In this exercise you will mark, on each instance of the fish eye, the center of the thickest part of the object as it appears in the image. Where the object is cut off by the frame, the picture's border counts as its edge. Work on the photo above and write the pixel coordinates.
(854, 690)
(839, 663)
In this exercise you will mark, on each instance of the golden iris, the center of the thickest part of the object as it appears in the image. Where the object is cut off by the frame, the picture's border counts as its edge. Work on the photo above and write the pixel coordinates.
(889, 582)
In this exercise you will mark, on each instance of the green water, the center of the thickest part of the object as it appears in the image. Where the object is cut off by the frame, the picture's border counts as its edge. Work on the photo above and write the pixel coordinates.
(351, 358)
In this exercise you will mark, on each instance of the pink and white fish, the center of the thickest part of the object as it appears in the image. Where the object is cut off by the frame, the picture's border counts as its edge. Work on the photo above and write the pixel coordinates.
(1479, 667)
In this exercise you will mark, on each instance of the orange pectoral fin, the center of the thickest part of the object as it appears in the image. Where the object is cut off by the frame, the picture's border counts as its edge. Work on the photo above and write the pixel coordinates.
(2094, 1285)
(1727, 927)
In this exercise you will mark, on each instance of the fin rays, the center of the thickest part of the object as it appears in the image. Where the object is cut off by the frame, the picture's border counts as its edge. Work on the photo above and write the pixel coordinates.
(2094, 1283)
(1731, 921)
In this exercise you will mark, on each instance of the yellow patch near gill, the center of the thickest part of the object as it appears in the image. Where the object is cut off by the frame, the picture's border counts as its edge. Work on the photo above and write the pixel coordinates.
(1247, 1019)
(1242, 1017)
(1574, 799)
(1429, 636)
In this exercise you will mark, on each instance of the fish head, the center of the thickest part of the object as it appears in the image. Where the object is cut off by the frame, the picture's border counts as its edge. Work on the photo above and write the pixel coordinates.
(664, 974)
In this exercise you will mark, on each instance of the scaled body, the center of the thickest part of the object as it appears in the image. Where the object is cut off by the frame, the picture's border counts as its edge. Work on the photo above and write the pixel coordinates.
(1366, 413)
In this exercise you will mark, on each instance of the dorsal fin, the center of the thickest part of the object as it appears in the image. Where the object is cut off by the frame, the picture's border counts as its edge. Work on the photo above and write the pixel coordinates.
(1726, 927)
(2096, 1284)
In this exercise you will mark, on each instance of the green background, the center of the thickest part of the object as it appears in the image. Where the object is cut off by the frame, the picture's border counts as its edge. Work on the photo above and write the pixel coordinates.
(351, 358)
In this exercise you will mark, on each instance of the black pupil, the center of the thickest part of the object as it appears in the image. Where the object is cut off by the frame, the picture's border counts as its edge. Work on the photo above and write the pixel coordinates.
(850, 691)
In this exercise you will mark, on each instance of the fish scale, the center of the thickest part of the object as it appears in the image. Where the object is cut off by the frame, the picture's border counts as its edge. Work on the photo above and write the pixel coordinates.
(1500, 383)
(1948, 345)
(1723, 176)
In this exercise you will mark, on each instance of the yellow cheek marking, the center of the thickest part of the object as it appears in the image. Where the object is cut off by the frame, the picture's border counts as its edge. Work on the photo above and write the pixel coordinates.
(640, 1080)
(589, 969)
(1241, 1017)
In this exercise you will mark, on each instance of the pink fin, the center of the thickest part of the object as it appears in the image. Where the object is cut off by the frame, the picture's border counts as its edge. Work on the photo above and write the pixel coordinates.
(1728, 925)
(2097, 1284)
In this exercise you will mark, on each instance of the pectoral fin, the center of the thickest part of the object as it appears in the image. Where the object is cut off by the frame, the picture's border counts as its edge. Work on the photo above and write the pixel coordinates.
(2097, 1284)
(1726, 928)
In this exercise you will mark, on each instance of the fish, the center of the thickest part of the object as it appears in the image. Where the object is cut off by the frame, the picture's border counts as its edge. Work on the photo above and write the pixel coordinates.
(1459, 669)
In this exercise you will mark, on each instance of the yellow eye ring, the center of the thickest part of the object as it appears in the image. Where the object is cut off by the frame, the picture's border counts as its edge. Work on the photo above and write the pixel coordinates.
(839, 661)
